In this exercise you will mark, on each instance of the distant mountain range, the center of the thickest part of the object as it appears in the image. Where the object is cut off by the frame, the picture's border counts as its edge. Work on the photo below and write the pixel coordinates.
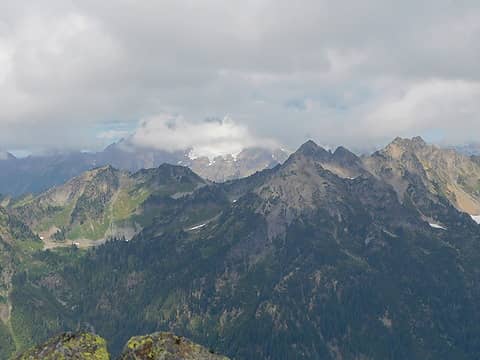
(35, 174)
(106, 202)
(326, 256)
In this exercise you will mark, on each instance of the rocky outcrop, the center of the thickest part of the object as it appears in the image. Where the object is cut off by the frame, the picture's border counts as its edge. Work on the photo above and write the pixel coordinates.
(84, 346)
(162, 345)
(87, 346)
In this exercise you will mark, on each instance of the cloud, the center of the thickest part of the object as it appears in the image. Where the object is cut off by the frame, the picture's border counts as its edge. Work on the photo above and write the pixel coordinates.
(336, 71)
(451, 107)
(113, 135)
(210, 138)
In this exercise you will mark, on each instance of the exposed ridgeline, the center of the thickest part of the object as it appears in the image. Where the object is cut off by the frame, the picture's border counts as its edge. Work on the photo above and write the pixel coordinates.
(87, 346)
(442, 172)
(106, 202)
(318, 258)
(102, 203)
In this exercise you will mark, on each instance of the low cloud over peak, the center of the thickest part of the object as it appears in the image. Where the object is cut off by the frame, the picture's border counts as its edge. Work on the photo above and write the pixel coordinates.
(211, 137)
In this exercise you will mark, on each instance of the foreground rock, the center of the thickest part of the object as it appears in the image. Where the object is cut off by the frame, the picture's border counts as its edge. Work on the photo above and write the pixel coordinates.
(160, 346)
(84, 346)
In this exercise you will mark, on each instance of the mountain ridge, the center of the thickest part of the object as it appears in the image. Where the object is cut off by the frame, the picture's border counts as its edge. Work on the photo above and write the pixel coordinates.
(325, 256)
(101, 202)
(35, 174)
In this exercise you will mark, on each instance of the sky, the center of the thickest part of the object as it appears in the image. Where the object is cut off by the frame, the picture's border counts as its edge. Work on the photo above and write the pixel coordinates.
(219, 75)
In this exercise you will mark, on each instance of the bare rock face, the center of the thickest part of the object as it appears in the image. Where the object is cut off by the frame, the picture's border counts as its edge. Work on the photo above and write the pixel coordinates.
(84, 346)
(229, 167)
(442, 172)
(166, 346)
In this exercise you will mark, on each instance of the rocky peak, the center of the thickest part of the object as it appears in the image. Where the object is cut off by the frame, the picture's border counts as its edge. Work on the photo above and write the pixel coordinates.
(311, 149)
(418, 140)
(344, 155)
(342, 162)
(168, 174)
(401, 145)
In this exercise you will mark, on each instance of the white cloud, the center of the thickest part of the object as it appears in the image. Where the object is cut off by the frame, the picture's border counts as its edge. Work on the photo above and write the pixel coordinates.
(210, 138)
(112, 135)
(360, 71)
(448, 106)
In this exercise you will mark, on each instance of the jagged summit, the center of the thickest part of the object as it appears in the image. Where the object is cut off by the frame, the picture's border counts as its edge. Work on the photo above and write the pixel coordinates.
(342, 162)
(414, 143)
(416, 140)
(310, 148)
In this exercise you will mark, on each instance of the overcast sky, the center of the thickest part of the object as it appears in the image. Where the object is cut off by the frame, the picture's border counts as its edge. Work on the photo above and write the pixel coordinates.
(79, 74)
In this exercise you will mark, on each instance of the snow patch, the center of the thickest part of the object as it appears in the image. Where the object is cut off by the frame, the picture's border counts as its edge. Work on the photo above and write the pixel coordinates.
(236, 154)
(476, 218)
(437, 226)
(191, 155)
(196, 227)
